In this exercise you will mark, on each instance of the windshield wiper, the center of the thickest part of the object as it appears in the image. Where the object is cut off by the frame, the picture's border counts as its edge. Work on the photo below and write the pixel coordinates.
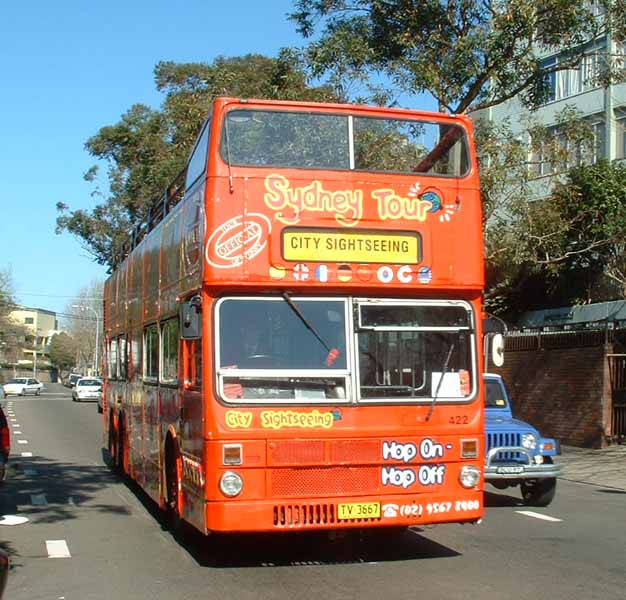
(333, 353)
(443, 374)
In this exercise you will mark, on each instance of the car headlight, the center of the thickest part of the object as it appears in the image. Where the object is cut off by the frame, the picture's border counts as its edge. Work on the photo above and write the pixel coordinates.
(529, 441)
(469, 476)
(231, 484)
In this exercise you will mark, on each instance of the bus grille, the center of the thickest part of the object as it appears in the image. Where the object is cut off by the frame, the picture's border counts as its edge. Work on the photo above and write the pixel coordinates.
(325, 481)
(301, 515)
(497, 440)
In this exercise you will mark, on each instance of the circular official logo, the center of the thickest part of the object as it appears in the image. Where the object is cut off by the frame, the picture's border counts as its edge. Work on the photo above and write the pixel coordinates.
(237, 240)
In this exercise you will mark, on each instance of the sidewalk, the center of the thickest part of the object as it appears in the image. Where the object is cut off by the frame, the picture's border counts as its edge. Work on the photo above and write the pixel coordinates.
(606, 467)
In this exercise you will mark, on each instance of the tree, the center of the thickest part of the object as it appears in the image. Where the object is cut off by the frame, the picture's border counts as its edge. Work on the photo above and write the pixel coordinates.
(82, 323)
(516, 278)
(468, 54)
(12, 334)
(565, 249)
(62, 352)
(148, 147)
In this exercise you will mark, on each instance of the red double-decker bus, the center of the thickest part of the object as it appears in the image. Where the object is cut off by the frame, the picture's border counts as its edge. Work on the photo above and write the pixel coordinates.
(293, 340)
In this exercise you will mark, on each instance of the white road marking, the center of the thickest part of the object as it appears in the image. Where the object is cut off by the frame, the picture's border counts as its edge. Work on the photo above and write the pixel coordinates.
(22, 441)
(26, 454)
(38, 499)
(57, 549)
(15, 425)
(530, 513)
(17, 433)
(13, 520)
(13, 420)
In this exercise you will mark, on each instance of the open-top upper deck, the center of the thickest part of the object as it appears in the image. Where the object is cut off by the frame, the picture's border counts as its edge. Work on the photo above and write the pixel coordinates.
(304, 194)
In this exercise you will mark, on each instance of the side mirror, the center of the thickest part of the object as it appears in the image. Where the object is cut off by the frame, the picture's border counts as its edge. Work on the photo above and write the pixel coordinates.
(191, 319)
(497, 349)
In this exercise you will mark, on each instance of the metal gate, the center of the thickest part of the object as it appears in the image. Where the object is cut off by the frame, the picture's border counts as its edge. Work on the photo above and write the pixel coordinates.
(617, 370)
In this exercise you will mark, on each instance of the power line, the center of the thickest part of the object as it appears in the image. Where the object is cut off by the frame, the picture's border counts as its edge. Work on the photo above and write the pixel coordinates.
(59, 296)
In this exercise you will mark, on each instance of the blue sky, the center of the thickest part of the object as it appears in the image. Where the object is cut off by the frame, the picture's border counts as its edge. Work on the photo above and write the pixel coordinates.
(71, 67)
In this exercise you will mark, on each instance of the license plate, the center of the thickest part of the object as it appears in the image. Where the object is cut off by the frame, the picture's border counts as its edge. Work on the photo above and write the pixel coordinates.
(359, 510)
(510, 470)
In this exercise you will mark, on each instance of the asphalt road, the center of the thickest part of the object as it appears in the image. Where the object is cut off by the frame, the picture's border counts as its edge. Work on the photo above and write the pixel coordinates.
(111, 542)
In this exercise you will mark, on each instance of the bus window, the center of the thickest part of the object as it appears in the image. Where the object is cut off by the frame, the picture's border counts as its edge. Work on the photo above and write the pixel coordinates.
(289, 361)
(169, 351)
(151, 353)
(414, 351)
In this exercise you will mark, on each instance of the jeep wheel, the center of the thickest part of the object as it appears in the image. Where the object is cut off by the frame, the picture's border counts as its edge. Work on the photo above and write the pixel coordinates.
(538, 492)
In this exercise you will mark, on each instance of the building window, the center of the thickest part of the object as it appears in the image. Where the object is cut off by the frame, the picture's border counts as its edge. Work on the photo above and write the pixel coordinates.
(29, 321)
(620, 134)
(569, 82)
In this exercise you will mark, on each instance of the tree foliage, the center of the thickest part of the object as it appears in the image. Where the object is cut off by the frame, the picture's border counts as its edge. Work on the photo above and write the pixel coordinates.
(468, 54)
(83, 326)
(565, 249)
(62, 352)
(148, 147)
(12, 334)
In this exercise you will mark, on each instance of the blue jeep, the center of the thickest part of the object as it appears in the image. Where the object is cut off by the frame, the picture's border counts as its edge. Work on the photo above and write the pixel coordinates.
(516, 454)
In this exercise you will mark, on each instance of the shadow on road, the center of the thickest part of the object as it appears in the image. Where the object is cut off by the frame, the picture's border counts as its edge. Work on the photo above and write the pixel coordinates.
(65, 485)
(310, 548)
(501, 500)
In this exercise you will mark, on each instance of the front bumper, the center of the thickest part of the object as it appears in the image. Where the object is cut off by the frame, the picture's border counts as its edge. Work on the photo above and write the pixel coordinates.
(511, 469)
(301, 514)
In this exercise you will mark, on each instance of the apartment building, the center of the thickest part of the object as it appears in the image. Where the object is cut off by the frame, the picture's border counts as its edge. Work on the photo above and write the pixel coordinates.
(603, 108)
(40, 325)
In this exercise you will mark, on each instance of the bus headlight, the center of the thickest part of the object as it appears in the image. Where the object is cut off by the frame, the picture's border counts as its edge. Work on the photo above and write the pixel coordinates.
(231, 484)
(469, 476)
(529, 441)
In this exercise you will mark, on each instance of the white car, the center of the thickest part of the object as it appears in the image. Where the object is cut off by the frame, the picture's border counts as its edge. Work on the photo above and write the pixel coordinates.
(87, 388)
(23, 385)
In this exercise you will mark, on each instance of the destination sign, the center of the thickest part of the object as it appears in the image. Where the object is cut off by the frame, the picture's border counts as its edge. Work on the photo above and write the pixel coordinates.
(336, 245)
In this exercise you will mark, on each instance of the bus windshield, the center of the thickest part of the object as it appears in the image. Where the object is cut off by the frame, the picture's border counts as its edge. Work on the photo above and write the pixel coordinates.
(272, 138)
(267, 353)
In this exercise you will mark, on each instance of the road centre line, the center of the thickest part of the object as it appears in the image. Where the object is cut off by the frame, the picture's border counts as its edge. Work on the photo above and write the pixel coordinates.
(14, 425)
(57, 549)
(22, 441)
(534, 515)
(17, 433)
(26, 454)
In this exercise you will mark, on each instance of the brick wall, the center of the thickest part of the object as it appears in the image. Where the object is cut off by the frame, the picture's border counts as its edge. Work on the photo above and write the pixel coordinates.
(564, 392)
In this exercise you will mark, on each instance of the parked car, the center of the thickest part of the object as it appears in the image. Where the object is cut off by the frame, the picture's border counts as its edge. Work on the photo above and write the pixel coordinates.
(87, 388)
(19, 386)
(72, 379)
(516, 454)
(5, 444)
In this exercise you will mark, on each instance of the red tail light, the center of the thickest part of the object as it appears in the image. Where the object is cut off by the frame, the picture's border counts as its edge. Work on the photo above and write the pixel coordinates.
(5, 440)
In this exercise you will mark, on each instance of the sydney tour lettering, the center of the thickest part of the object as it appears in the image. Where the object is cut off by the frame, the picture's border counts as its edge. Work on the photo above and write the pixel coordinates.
(290, 202)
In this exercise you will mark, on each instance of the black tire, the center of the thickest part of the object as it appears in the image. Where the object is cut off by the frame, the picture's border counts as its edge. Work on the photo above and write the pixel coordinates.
(538, 492)
(99, 409)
